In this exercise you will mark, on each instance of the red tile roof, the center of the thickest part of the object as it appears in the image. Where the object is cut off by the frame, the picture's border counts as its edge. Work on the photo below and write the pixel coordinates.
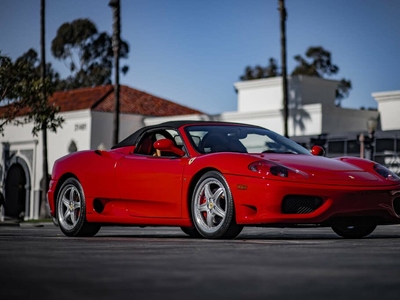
(132, 101)
(137, 102)
(78, 99)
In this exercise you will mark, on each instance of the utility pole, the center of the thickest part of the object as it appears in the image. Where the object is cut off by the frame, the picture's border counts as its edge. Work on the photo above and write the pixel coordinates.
(115, 5)
(283, 16)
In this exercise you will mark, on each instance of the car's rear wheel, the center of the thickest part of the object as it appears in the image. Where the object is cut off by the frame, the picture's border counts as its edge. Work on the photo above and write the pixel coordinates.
(353, 231)
(71, 210)
(212, 207)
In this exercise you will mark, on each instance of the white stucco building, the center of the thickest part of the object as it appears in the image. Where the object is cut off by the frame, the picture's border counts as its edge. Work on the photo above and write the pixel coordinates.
(389, 108)
(311, 107)
(314, 118)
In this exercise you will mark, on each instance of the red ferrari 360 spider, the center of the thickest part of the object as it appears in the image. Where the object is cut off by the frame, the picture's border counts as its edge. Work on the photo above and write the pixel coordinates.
(213, 178)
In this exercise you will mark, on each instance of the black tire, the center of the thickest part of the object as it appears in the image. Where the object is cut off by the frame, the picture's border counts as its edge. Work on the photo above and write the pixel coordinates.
(55, 222)
(212, 208)
(357, 231)
(191, 231)
(71, 210)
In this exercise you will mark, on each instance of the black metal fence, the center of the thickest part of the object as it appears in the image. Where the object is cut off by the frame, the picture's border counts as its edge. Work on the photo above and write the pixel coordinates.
(385, 150)
(383, 147)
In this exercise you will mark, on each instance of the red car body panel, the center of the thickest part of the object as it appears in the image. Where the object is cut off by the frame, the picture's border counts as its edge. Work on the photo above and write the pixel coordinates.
(122, 187)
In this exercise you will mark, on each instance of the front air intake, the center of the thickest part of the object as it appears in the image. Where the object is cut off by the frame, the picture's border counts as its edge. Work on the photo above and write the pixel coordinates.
(294, 204)
(396, 205)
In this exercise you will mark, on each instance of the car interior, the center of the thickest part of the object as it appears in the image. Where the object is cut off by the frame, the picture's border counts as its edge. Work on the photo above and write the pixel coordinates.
(146, 143)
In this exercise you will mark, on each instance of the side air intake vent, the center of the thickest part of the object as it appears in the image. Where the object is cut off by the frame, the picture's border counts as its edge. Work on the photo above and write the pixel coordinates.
(294, 204)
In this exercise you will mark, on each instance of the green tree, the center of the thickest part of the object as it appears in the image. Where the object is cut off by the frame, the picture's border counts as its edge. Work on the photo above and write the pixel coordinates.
(31, 59)
(24, 93)
(21, 94)
(257, 72)
(318, 63)
(342, 91)
(87, 53)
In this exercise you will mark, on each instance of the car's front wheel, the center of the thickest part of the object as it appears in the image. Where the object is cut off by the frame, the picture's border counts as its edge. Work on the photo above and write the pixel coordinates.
(71, 210)
(191, 231)
(212, 207)
(356, 231)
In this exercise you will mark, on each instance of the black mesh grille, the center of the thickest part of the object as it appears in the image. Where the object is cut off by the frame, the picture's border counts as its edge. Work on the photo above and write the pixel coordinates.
(293, 204)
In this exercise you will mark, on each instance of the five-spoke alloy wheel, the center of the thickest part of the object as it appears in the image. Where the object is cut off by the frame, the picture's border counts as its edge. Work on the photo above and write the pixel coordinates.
(71, 210)
(212, 207)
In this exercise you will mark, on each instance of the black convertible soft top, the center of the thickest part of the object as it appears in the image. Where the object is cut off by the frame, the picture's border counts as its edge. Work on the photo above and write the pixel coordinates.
(133, 138)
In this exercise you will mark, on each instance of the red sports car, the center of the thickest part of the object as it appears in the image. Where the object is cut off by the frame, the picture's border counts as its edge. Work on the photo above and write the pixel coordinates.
(213, 178)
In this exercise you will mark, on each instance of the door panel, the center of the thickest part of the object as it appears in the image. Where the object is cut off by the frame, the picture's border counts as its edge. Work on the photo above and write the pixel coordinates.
(152, 185)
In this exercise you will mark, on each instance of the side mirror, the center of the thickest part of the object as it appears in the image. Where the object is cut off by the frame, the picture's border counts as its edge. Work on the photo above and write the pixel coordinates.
(168, 145)
(317, 150)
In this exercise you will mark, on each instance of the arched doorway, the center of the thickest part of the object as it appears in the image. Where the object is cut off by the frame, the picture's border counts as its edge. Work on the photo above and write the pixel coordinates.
(15, 192)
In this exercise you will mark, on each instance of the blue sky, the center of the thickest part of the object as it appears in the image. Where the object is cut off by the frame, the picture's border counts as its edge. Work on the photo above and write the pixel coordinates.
(192, 52)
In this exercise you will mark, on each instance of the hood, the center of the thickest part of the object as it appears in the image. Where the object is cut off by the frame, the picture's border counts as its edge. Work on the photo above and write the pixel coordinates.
(322, 169)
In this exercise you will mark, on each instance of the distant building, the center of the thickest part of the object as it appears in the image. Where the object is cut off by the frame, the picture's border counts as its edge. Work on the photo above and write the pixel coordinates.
(311, 107)
(314, 118)
(88, 115)
(389, 108)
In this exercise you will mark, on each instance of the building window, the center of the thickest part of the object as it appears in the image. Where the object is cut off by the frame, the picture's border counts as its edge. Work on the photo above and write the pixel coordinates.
(336, 147)
(72, 147)
(382, 145)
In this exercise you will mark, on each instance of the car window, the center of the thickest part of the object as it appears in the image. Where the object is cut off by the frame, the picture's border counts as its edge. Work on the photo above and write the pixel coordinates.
(242, 139)
(145, 145)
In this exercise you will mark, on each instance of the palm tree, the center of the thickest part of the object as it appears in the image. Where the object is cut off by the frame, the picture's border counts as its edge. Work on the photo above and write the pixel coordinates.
(115, 5)
(283, 15)
(45, 180)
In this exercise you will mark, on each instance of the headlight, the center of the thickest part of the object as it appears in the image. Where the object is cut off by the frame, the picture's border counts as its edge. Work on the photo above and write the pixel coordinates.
(386, 173)
(279, 171)
(269, 168)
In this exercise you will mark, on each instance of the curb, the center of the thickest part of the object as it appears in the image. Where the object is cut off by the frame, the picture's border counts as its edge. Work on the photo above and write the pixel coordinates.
(9, 224)
(36, 224)
(25, 224)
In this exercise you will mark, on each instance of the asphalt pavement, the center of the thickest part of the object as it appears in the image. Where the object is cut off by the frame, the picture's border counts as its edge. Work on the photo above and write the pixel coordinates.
(38, 261)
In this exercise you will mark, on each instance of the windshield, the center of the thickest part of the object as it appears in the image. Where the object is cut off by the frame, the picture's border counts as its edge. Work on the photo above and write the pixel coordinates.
(240, 138)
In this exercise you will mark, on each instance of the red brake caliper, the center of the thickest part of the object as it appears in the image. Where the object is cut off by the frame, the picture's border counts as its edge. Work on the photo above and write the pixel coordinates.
(202, 201)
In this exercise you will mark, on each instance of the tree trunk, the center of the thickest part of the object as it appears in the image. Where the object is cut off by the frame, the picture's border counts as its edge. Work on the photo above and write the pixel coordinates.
(115, 5)
(45, 180)
(283, 15)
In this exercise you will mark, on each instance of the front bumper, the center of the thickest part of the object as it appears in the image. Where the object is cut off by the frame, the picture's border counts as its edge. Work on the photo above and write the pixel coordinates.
(259, 201)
